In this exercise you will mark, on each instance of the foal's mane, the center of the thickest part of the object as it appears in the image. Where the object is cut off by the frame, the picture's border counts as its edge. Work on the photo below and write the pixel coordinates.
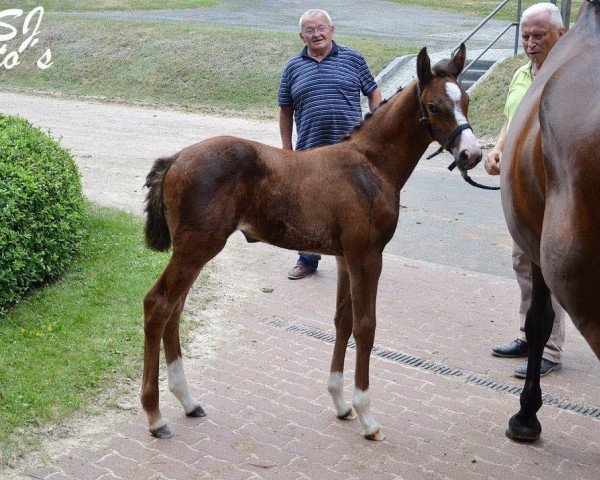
(369, 115)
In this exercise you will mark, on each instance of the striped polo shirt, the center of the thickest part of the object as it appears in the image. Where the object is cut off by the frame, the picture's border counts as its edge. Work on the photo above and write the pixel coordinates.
(325, 95)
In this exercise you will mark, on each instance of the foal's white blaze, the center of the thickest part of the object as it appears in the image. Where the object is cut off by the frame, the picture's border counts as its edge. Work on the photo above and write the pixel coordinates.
(362, 405)
(335, 387)
(468, 141)
(178, 385)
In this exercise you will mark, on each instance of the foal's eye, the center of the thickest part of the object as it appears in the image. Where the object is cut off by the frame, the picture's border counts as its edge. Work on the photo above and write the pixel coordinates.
(432, 108)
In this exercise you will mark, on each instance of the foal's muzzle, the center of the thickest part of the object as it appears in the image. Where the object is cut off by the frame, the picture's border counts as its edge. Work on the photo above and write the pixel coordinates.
(467, 159)
(468, 156)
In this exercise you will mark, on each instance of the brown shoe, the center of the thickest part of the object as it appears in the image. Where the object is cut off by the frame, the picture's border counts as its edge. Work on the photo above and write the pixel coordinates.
(300, 271)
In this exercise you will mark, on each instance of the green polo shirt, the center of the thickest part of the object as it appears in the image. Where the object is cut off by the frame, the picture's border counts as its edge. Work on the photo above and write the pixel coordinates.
(518, 86)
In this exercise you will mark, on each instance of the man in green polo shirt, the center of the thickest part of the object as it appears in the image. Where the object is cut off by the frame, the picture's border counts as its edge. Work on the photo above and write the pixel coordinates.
(541, 28)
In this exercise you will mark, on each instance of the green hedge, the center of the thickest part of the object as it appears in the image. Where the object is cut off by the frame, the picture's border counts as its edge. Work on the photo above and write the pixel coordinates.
(41, 209)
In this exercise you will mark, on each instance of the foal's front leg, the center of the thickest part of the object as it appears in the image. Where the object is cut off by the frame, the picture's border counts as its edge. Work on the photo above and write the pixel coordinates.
(365, 277)
(343, 330)
(524, 426)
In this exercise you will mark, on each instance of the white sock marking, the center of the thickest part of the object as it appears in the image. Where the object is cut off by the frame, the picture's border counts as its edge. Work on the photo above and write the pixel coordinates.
(178, 385)
(335, 387)
(362, 405)
(156, 424)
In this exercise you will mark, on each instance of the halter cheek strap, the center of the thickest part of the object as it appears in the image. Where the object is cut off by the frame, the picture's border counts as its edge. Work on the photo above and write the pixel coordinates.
(447, 145)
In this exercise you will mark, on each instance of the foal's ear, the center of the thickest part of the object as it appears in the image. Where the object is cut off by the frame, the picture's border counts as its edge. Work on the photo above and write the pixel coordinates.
(457, 62)
(423, 67)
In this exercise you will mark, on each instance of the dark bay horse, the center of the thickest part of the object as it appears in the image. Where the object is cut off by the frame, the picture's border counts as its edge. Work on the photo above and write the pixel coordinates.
(551, 198)
(340, 200)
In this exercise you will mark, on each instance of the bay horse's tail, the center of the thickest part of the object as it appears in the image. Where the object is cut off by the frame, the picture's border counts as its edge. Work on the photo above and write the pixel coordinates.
(156, 230)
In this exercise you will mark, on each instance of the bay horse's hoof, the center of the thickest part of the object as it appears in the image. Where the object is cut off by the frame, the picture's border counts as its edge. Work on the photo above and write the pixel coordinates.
(521, 432)
(162, 432)
(349, 415)
(376, 436)
(197, 412)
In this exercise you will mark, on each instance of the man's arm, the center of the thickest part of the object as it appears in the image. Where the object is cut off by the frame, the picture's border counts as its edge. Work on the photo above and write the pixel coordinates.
(374, 99)
(286, 125)
(492, 161)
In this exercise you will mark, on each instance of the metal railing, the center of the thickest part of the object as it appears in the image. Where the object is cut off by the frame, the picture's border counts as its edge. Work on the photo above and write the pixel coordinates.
(565, 12)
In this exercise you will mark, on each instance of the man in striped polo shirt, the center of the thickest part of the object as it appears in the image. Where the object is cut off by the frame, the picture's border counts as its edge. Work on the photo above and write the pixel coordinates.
(320, 90)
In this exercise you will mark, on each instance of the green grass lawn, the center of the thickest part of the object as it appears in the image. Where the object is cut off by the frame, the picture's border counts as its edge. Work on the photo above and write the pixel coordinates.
(487, 101)
(185, 65)
(72, 341)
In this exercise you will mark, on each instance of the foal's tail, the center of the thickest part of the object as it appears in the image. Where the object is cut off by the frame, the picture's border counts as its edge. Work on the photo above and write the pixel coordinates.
(156, 230)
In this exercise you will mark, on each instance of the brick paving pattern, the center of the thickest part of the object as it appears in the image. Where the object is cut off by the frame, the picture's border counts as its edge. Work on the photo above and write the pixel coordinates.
(269, 415)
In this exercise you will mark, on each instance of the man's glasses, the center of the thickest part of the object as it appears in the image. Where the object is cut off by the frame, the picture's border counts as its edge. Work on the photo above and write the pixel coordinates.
(311, 31)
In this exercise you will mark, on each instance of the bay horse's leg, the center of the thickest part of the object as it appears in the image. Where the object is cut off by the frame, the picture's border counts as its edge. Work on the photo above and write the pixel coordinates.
(364, 277)
(343, 330)
(162, 309)
(524, 425)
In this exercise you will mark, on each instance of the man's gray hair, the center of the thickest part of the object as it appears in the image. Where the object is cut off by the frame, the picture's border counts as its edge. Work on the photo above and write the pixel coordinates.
(313, 12)
(544, 7)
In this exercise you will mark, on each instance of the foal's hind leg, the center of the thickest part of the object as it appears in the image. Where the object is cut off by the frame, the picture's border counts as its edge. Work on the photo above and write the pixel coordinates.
(175, 374)
(524, 426)
(343, 330)
(162, 309)
(364, 274)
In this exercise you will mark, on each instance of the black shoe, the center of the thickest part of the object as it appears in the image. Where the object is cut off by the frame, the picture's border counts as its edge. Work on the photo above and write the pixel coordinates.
(545, 368)
(300, 271)
(516, 348)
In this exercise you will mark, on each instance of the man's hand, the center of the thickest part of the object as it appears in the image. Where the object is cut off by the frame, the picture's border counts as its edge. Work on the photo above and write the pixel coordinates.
(492, 162)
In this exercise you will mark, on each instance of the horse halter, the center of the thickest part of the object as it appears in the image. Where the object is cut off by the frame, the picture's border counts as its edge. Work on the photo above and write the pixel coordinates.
(447, 142)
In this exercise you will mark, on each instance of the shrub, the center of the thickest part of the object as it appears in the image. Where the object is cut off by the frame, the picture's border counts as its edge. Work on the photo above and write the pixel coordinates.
(41, 209)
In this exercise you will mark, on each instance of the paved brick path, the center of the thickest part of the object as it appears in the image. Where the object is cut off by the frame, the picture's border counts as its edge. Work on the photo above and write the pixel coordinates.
(269, 415)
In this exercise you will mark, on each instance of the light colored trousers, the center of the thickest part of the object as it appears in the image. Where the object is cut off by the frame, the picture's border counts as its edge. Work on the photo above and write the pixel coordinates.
(522, 267)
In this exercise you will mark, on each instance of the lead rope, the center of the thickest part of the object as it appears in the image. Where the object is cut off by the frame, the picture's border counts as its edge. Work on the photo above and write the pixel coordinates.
(469, 180)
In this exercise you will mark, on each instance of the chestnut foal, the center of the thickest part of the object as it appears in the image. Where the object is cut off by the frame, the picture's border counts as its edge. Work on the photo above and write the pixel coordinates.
(340, 200)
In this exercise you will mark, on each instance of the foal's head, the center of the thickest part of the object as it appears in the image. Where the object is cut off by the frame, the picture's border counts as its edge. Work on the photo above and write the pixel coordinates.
(444, 105)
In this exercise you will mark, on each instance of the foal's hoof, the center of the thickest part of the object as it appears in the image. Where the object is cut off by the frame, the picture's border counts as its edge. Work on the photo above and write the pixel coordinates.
(520, 431)
(162, 432)
(376, 436)
(349, 415)
(197, 412)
